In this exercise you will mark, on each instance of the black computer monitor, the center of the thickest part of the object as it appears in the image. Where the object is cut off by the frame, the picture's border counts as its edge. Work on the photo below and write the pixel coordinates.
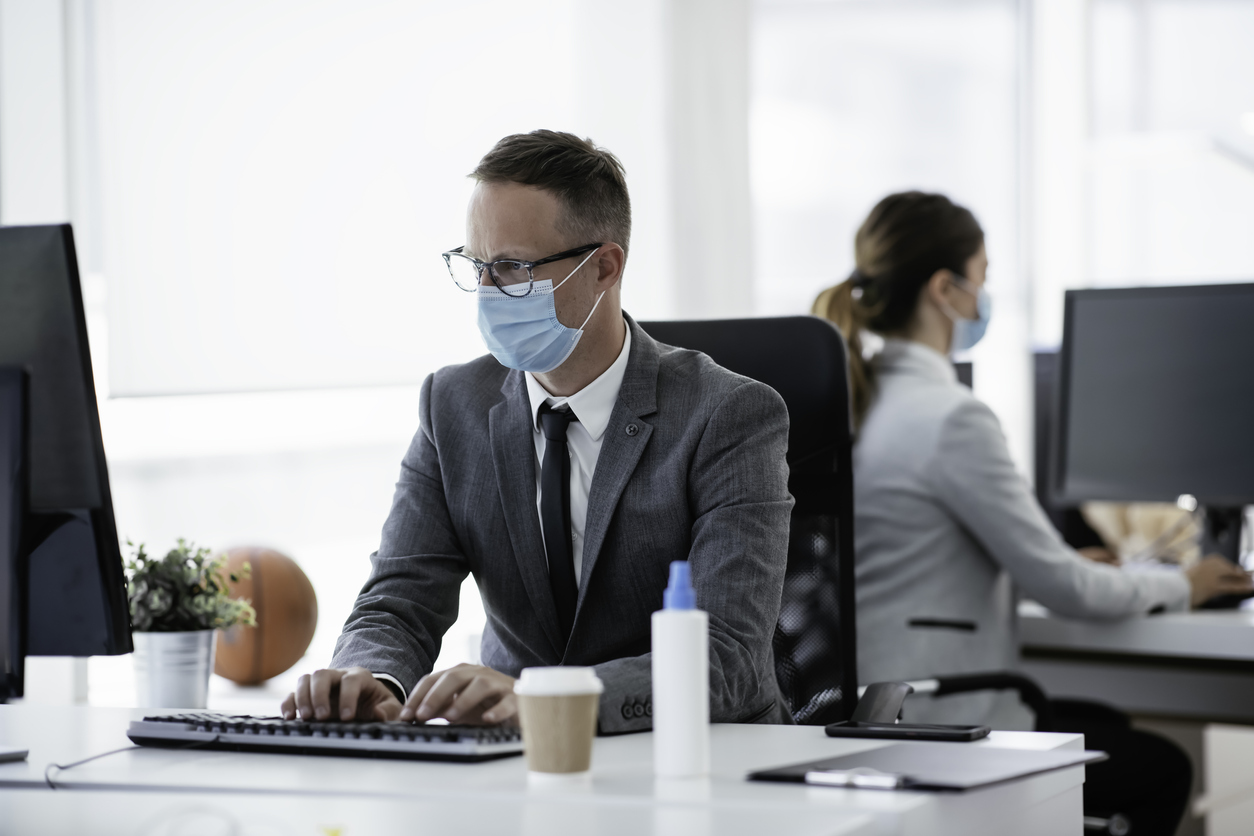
(76, 586)
(13, 492)
(1044, 391)
(1156, 400)
(1070, 523)
(966, 374)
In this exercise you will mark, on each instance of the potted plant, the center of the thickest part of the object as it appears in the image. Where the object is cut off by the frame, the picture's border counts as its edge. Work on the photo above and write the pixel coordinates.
(177, 602)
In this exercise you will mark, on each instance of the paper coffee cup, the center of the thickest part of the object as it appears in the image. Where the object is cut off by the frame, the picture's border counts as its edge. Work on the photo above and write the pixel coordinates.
(558, 711)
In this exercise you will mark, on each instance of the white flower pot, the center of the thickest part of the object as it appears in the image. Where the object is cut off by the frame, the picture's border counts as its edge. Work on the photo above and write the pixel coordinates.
(172, 669)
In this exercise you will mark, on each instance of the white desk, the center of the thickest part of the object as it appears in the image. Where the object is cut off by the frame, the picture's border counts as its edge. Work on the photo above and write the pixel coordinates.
(1229, 772)
(623, 793)
(126, 813)
(1194, 665)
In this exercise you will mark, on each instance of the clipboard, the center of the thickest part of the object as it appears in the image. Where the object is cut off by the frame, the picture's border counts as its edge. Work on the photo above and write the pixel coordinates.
(951, 767)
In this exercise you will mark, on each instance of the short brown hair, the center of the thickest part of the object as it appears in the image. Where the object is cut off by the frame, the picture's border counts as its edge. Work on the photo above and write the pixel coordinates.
(588, 181)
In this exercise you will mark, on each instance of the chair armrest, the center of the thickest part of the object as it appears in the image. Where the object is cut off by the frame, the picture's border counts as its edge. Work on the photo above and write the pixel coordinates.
(1029, 692)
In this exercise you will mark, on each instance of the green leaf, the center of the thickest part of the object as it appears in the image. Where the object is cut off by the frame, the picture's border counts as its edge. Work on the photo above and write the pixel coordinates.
(184, 590)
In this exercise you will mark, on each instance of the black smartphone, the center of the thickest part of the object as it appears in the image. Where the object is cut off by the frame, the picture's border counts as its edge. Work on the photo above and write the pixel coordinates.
(907, 731)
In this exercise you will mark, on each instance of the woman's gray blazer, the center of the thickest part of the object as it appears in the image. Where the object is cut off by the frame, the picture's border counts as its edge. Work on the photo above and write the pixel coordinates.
(946, 529)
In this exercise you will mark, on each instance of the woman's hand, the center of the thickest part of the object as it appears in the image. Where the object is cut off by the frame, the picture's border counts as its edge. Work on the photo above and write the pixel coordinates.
(1213, 576)
(1099, 554)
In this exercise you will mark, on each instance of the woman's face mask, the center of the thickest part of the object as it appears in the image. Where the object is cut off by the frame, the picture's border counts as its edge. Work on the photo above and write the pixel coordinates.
(968, 332)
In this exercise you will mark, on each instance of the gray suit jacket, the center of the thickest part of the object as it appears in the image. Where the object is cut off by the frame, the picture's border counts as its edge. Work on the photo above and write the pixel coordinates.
(946, 528)
(692, 466)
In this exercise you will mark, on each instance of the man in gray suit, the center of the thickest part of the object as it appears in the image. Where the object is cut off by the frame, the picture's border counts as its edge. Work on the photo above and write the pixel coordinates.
(565, 471)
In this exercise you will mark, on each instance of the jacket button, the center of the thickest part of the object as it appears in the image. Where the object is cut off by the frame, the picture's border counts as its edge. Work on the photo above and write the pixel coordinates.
(648, 708)
(633, 429)
(639, 709)
(627, 712)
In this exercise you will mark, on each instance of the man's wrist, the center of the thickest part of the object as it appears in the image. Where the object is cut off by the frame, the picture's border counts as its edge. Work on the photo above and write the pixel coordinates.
(392, 685)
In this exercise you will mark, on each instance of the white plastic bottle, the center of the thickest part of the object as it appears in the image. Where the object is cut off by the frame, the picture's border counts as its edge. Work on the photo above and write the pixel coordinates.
(681, 681)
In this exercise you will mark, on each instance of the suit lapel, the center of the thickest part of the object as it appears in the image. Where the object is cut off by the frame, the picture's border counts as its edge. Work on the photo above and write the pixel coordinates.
(621, 448)
(513, 455)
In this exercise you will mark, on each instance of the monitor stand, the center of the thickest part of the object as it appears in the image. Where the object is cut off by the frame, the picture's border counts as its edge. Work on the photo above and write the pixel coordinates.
(1221, 534)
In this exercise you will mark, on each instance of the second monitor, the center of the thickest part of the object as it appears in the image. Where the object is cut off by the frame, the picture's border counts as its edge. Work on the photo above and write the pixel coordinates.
(1156, 400)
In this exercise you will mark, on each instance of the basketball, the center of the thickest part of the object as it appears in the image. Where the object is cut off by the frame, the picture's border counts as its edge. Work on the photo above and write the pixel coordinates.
(287, 613)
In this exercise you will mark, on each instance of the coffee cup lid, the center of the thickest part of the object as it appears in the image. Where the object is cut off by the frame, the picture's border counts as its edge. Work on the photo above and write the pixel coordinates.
(558, 681)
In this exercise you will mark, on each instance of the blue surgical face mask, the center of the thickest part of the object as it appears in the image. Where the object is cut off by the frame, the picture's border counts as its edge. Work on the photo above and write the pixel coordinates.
(523, 332)
(968, 332)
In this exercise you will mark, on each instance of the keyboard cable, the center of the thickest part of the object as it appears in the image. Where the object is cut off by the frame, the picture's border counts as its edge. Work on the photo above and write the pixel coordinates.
(63, 767)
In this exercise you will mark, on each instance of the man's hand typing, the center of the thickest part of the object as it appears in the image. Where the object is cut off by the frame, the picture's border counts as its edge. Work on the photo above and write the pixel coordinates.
(469, 694)
(341, 694)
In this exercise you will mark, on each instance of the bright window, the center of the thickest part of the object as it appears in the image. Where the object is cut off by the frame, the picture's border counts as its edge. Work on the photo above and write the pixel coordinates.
(279, 178)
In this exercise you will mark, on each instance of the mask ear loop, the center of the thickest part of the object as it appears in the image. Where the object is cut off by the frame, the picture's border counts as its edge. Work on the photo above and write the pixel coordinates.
(949, 311)
(576, 270)
(962, 283)
(573, 272)
(594, 309)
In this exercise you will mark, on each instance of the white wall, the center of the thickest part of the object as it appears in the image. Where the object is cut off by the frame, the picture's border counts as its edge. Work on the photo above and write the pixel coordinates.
(1144, 146)
(277, 195)
(34, 155)
(275, 198)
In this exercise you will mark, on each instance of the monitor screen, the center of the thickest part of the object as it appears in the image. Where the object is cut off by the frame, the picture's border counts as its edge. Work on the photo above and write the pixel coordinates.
(76, 596)
(39, 330)
(1156, 395)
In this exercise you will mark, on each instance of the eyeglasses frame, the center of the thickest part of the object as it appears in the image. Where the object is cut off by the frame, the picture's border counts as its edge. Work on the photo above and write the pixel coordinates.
(491, 267)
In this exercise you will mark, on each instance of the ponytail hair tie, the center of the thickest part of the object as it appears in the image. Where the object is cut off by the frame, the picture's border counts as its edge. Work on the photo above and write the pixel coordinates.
(860, 282)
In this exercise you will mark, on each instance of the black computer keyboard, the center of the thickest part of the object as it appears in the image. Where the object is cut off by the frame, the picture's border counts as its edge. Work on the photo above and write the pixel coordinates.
(416, 741)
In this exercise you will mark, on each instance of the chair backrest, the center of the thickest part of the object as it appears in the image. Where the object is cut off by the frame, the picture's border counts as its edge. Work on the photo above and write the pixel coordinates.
(803, 359)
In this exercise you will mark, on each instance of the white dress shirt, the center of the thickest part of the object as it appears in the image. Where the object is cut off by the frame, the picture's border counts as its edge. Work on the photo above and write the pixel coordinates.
(592, 406)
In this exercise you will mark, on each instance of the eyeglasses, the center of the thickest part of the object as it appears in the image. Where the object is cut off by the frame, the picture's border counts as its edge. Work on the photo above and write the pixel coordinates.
(513, 277)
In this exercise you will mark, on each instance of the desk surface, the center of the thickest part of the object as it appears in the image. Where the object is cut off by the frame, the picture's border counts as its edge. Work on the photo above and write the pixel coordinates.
(1222, 635)
(125, 813)
(622, 780)
(1196, 666)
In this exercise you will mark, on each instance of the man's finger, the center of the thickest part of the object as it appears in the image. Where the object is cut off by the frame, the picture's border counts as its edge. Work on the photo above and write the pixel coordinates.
(480, 692)
(320, 692)
(506, 709)
(416, 696)
(387, 710)
(303, 702)
(288, 708)
(350, 688)
(443, 692)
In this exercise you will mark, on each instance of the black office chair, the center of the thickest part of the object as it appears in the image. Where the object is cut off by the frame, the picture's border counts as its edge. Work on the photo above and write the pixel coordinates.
(1143, 788)
(803, 359)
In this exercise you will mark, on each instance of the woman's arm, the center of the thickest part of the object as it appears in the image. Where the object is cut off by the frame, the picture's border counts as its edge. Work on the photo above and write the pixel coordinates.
(974, 478)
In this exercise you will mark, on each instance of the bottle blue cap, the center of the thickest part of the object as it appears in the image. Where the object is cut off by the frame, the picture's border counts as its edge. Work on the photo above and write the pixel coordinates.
(679, 594)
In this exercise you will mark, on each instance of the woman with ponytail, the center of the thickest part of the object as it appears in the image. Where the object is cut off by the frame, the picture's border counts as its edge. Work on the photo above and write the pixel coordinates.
(945, 526)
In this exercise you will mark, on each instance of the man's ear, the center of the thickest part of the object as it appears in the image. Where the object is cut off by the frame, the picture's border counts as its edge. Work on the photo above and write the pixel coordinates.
(609, 261)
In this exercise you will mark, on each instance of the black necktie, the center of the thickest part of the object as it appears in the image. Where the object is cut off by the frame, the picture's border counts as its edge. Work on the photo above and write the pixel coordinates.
(555, 513)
